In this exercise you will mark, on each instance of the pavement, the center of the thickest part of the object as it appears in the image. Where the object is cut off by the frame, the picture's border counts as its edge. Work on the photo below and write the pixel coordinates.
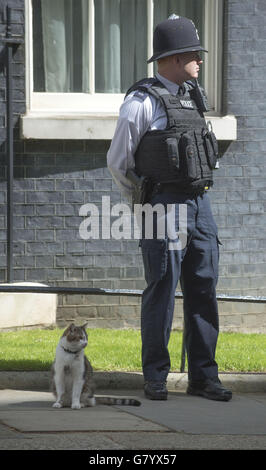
(183, 422)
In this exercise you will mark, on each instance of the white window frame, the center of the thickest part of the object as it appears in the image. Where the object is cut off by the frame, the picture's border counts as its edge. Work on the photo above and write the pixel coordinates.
(94, 115)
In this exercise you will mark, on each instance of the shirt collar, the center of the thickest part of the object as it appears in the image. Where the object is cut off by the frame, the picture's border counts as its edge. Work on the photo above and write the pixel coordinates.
(171, 86)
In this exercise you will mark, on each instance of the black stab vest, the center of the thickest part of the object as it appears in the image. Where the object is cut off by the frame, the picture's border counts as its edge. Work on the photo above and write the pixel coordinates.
(186, 152)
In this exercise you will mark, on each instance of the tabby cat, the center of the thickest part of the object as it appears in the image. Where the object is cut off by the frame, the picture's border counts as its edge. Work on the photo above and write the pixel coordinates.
(72, 373)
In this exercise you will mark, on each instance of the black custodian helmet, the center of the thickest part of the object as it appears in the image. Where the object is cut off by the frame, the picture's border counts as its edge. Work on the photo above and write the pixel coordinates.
(174, 35)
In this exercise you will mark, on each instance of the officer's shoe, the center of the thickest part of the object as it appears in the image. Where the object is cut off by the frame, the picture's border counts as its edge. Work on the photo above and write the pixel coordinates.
(211, 389)
(155, 390)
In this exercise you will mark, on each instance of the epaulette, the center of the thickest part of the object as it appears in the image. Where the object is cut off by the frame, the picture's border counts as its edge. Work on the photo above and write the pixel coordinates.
(141, 87)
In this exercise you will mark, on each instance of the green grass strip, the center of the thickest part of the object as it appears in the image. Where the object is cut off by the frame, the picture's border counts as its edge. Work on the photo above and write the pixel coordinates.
(120, 350)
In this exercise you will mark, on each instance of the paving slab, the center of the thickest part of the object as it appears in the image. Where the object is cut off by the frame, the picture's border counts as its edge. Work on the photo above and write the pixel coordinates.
(75, 421)
(32, 412)
(59, 441)
(244, 414)
(27, 421)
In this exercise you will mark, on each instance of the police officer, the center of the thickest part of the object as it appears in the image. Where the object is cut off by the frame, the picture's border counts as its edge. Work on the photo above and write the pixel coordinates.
(161, 133)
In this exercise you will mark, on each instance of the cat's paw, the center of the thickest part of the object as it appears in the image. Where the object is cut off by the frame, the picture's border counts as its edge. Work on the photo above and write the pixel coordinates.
(57, 405)
(76, 406)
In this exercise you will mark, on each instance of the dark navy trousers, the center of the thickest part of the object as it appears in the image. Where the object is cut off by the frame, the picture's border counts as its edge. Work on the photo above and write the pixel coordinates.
(196, 267)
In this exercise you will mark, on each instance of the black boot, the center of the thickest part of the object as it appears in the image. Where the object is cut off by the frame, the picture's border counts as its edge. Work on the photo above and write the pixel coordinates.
(155, 390)
(211, 389)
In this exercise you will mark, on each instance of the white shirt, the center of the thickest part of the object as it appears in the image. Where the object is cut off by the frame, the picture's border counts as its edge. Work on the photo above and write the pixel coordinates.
(136, 117)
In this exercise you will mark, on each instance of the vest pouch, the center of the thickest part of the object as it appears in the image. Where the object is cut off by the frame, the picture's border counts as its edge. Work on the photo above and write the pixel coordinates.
(172, 152)
(211, 147)
(189, 155)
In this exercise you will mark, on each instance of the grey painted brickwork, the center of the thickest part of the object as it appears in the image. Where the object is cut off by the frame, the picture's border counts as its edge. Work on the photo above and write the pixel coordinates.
(240, 188)
(54, 178)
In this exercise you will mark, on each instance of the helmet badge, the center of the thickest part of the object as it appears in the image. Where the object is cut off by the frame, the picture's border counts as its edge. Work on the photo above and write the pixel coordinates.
(173, 17)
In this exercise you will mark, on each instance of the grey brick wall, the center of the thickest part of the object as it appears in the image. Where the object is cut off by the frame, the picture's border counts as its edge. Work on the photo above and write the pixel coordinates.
(240, 189)
(239, 194)
(54, 178)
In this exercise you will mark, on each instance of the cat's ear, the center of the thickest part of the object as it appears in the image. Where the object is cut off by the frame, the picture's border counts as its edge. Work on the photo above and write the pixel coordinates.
(69, 328)
(85, 325)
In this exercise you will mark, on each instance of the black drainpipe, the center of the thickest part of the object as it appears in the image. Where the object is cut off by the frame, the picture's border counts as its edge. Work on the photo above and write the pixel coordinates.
(11, 42)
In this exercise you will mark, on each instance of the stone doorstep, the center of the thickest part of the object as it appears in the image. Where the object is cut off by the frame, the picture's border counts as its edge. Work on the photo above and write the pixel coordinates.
(21, 309)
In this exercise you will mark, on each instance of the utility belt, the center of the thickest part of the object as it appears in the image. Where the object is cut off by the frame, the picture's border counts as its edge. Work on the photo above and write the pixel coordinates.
(144, 189)
(165, 187)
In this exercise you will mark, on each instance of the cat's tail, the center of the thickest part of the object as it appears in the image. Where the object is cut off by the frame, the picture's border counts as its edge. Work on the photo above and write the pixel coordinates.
(122, 401)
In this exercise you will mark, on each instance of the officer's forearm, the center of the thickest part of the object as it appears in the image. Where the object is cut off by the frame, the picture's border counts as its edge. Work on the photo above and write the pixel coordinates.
(141, 186)
(133, 177)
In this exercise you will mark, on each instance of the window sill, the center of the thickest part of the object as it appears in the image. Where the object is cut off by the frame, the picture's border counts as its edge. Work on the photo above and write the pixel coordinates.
(98, 126)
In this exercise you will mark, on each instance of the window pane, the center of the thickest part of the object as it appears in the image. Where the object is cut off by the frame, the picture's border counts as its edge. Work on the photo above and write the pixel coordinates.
(190, 8)
(120, 44)
(60, 45)
(61, 41)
